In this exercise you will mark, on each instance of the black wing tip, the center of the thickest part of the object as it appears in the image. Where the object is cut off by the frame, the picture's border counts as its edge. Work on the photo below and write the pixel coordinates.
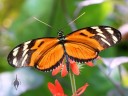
(117, 33)
(10, 61)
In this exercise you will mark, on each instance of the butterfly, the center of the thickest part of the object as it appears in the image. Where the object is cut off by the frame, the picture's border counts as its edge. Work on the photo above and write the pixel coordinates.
(48, 53)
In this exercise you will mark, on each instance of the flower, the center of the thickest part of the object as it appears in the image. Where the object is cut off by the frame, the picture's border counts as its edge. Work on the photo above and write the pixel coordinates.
(74, 68)
(73, 65)
(81, 90)
(90, 64)
(56, 89)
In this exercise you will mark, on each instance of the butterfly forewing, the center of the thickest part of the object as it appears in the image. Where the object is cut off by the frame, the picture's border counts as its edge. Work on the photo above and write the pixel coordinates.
(40, 53)
(85, 44)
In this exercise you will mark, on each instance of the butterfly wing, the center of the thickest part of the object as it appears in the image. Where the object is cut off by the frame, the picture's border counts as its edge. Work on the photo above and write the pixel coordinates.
(44, 53)
(85, 44)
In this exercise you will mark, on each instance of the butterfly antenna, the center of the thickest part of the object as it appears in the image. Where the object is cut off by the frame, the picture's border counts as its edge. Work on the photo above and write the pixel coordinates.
(42, 22)
(74, 20)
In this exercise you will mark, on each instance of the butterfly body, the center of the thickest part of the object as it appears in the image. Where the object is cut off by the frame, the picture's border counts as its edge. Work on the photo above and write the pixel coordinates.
(81, 45)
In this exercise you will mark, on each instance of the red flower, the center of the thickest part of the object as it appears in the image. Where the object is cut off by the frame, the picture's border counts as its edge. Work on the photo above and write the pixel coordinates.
(56, 89)
(73, 65)
(74, 68)
(81, 90)
(89, 64)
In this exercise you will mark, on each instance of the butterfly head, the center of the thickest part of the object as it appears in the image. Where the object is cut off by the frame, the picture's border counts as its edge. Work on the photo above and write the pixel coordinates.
(61, 35)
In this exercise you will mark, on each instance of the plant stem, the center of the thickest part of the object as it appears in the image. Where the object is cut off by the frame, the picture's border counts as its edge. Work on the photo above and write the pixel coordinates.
(72, 80)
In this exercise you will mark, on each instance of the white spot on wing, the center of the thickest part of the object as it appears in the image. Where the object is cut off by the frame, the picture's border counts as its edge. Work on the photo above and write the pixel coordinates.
(110, 31)
(15, 61)
(99, 30)
(15, 52)
(25, 52)
(27, 42)
(95, 27)
(37, 66)
(16, 49)
(105, 41)
(25, 46)
(114, 41)
(24, 59)
(107, 28)
(101, 35)
(114, 38)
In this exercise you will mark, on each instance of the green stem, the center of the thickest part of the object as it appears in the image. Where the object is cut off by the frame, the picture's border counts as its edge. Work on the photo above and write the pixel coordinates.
(72, 80)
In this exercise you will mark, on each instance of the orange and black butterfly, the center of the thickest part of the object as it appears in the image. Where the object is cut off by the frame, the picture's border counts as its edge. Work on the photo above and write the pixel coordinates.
(81, 46)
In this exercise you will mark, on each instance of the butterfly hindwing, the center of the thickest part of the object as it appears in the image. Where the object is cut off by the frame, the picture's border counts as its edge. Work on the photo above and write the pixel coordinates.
(80, 52)
(40, 53)
(85, 44)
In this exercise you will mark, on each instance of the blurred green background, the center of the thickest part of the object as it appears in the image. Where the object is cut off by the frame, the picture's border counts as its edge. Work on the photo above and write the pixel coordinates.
(17, 25)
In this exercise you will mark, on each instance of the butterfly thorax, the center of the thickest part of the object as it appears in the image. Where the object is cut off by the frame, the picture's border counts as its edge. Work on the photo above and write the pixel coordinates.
(61, 36)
